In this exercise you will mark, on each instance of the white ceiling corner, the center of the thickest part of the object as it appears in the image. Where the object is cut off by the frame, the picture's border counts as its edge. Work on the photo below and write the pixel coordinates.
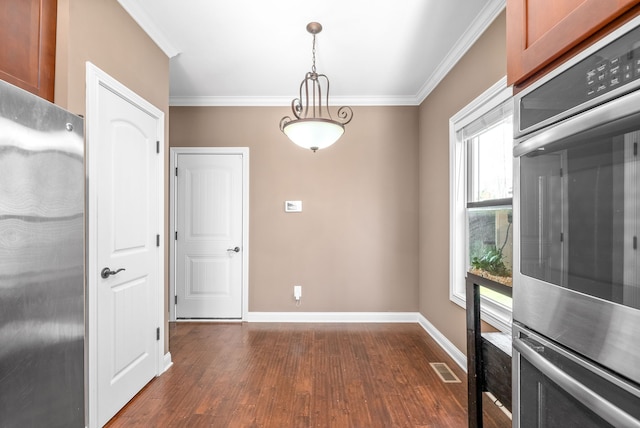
(488, 14)
(149, 27)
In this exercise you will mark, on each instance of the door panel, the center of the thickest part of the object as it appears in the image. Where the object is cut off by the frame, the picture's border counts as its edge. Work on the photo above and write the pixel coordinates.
(209, 226)
(130, 171)
(127, 224)
(28, 54)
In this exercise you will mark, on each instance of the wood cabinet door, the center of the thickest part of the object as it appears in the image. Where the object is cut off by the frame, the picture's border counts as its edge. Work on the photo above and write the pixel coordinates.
(539, 31)
(28, 45)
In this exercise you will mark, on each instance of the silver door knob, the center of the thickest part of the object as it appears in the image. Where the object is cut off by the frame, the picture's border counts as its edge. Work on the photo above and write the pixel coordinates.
(235, 250)
(106, 272)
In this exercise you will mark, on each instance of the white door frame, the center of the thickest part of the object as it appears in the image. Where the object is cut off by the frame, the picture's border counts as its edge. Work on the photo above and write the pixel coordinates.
(173, 160)
(96, 78)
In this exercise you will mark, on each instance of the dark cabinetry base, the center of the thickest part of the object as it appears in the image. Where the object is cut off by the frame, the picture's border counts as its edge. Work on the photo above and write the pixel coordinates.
(488, 355)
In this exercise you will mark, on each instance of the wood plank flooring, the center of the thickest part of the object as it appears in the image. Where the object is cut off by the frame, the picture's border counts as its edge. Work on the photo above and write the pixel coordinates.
(303, 375)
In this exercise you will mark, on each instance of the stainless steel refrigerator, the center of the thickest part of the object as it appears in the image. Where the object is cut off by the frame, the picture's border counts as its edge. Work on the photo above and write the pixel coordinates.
(41, 263)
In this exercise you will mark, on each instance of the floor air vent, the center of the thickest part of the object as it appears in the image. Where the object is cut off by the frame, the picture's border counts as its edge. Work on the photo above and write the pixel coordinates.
(445, 373)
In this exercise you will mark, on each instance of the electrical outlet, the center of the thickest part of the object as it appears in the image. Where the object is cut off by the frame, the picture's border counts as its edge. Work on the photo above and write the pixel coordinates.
(297, 292)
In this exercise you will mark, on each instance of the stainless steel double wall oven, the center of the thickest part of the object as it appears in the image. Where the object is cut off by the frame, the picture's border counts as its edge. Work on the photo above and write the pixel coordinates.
(576, 298)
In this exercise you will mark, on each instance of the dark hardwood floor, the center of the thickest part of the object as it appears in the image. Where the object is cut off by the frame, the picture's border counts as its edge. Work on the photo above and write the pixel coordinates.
(303, 375)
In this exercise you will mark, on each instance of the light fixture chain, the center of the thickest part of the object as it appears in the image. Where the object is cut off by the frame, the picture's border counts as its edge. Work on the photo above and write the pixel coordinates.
(313, 67)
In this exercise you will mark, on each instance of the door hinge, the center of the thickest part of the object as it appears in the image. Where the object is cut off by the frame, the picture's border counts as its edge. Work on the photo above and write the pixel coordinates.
(635, 149)
(158, 146)
(157, 240)
(176, 171)
(635, 242)
(176, 237)
(561, 172)
(561, 237)
(158, 333)
(175, 299)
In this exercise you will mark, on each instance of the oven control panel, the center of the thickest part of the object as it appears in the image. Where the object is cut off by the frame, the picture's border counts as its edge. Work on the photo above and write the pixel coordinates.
(610, 74)
(604, 71)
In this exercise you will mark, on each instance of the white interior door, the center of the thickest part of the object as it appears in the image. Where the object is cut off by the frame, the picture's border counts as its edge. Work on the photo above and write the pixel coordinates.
(209, 241)
(125, 283)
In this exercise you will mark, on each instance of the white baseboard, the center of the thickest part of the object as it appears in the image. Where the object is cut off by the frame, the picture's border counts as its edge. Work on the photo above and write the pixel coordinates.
(459, 357)
(350, 317)
(207, 320)
(167, 363)
(332, 317)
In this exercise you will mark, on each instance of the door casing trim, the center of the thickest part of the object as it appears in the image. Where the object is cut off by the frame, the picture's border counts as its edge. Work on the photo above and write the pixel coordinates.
(96, 78)
(173, 161)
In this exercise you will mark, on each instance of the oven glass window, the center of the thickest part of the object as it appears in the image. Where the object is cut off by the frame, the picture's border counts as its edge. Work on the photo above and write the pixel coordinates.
(544, 404)
(580, 208)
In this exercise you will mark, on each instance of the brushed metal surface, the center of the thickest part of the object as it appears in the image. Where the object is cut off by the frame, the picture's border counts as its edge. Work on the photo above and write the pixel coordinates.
(41, 263)
(607, 333)
(598, 404)
(608, 396)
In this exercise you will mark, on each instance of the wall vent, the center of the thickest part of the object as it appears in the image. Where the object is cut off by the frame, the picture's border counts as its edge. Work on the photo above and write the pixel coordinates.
(445, 373)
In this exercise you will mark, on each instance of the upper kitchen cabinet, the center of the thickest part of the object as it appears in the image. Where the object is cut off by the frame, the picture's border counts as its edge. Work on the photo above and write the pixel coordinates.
(540, 31)
(28, 45)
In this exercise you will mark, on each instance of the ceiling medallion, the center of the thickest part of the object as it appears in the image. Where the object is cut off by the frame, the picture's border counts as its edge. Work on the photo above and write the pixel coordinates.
(313, 127)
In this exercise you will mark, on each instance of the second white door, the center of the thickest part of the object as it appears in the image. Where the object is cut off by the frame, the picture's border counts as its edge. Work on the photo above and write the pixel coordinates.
(209, 227)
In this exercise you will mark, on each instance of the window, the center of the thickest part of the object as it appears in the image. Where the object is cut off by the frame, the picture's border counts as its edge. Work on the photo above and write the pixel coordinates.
(481, 187)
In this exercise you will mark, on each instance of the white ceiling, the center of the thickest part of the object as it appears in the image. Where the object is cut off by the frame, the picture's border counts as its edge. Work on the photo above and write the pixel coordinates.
(256, 52)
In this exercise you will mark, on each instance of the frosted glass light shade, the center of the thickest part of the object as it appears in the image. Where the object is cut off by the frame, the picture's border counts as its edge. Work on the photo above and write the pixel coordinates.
(314, 134)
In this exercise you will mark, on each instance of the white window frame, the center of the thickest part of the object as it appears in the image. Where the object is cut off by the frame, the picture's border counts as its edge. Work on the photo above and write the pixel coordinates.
(494, 313)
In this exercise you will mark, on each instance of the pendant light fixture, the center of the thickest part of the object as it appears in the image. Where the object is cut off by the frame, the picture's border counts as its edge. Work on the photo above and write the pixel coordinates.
(313, 127)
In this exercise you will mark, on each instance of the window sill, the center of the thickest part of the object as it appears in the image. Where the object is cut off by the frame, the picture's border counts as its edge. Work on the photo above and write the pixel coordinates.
(493, 313)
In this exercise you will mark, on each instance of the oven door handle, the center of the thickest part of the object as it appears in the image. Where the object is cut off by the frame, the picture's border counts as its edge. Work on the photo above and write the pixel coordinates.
(619, 108)
(603, 408)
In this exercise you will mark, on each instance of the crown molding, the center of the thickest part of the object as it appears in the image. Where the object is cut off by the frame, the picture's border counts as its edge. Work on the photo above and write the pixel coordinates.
(286, 101)
(486, 16)
(147, 25)
(484, 19)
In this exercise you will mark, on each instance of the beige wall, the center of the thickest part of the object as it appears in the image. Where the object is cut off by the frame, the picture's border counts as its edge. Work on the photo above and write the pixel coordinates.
(102, 32)
(355, 245)
(482, 66)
